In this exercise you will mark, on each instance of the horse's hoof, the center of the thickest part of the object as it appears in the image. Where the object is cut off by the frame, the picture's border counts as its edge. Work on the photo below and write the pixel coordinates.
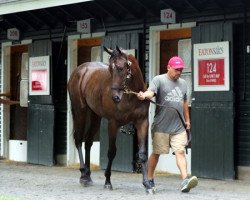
(86, 182)
(108, 186)
(150, 191)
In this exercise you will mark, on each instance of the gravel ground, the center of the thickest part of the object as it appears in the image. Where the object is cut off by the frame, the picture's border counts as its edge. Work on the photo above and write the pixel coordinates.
(34, 182)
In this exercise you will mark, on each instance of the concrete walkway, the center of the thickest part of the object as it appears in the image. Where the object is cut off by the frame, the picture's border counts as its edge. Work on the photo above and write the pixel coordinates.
(34, 182)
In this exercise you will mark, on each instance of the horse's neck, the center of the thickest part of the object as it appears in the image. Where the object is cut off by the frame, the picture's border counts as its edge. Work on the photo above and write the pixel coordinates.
(137, 84)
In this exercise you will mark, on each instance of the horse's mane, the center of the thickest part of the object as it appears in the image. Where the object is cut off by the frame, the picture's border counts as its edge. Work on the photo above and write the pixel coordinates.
(138, 80)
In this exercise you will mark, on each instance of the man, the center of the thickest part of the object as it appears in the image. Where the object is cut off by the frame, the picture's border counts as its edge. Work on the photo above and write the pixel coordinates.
(168, 129)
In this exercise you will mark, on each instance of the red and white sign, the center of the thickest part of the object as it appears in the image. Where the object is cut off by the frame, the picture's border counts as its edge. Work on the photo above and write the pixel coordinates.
(168, 16)
(211, 72)
(211, 66)
(39, 73)
(39, 79)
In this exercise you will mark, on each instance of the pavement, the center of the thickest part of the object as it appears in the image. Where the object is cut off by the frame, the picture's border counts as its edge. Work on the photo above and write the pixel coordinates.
(22, 181)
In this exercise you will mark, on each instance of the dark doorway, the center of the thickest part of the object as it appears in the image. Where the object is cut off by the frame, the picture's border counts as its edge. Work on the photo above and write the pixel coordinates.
(18, 112)
(242, 94)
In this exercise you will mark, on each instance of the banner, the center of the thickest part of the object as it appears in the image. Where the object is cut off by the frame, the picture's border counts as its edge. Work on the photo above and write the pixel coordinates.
(211, 66)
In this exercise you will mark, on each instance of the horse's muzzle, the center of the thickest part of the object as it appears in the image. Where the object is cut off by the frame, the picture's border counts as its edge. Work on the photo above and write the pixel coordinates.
(116, 99)
(117, 93)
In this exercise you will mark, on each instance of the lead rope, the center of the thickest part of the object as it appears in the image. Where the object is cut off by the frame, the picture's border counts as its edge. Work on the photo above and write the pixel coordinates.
(127, 91)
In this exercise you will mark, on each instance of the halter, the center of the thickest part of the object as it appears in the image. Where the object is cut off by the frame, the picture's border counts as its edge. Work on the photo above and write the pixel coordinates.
(128, 76)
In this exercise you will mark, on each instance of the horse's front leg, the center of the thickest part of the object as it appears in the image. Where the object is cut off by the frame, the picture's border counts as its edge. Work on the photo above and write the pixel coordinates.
(112, 132)
(142, 135)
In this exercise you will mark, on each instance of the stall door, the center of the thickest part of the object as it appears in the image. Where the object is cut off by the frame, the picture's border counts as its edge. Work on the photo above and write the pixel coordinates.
(213, 115)
(41, 114)
(41, 134)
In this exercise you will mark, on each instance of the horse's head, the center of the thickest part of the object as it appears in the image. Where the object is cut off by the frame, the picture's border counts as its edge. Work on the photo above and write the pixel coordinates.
(120, 69)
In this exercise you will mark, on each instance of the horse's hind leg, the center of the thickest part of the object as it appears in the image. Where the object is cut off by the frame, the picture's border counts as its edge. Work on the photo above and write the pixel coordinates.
(79, 117)
(85, 178)
(94, 125)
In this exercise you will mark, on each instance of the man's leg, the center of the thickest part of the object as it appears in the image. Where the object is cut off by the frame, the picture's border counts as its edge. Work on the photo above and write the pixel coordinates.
(181, 163)
(152, 162)
(160, 142)
(178, 145)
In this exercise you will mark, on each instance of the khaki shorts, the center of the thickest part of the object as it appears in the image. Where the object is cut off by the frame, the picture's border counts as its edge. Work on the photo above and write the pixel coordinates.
(163, 141)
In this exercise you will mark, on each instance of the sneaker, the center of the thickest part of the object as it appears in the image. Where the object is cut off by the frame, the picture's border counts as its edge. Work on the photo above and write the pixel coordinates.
(152, 184)
(188, 183)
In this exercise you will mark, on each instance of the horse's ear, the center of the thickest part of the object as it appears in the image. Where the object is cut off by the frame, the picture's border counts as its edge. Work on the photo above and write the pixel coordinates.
(109, 51)
(118, 49)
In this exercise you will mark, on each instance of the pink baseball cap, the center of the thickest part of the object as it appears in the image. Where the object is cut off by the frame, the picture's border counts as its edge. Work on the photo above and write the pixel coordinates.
(176, 63)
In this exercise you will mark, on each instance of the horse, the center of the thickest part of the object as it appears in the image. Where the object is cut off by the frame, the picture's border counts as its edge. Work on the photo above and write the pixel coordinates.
(99, 90)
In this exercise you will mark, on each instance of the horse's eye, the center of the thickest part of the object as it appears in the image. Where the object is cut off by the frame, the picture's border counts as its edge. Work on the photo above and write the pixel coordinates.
(118, 68)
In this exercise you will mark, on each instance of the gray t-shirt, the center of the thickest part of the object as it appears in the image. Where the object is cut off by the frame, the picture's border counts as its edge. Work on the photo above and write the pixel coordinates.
(171, 94)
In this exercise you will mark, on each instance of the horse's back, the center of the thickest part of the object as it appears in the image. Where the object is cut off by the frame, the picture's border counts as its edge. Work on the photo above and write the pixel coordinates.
(85, 79)
(87, 68)
(85, 71)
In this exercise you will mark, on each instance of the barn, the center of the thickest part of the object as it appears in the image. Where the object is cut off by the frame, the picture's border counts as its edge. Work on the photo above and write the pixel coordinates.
(35, 121)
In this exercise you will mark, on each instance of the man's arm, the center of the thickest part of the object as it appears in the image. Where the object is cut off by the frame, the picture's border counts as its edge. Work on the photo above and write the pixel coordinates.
(186, 114)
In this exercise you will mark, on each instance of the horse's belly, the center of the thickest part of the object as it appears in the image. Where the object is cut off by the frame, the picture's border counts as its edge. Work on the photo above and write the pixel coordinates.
(106, 108)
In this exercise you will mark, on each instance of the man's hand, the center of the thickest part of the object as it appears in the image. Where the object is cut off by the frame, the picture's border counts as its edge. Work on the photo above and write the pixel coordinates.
(188, 125)
(145, 95)
(141, 95)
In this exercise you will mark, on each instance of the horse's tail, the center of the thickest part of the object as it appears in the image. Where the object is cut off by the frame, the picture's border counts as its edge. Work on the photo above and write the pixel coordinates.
(76, 86)
(81, 93)
(76, 95)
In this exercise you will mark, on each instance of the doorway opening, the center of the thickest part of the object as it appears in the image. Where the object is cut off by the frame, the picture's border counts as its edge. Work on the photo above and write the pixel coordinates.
(18, 92)
(89, 50)
(18, 113)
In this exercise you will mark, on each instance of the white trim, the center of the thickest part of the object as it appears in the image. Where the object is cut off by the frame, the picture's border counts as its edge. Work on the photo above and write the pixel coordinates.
(5, 109)
(92, 35)
(28, 41)
(71, 150)
(172, 26)
(25, 5)
(18, 150)
(243, 172)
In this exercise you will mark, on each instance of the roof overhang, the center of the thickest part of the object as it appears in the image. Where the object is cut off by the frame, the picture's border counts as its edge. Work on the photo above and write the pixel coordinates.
(14, 6)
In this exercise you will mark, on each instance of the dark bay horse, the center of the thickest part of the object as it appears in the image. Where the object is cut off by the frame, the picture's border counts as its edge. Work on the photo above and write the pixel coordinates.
(98, 90)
